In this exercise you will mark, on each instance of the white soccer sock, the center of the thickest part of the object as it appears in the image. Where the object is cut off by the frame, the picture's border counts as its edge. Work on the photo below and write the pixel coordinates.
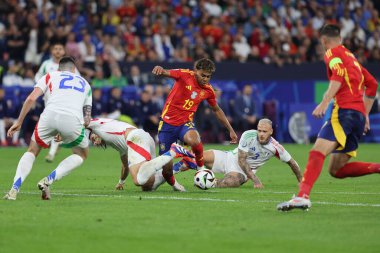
(15, 137)
(149, 168)
(23, 169)
(2, 130)
(53, 148)
(158, 180)
(65, 167)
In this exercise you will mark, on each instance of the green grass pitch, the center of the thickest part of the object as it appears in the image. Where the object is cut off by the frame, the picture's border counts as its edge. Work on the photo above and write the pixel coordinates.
(86, 214)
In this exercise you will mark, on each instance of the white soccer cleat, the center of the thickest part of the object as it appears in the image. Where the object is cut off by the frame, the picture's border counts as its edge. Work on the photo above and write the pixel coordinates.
(295, 202)
(178, 187)
(11, 195)
(43, 185)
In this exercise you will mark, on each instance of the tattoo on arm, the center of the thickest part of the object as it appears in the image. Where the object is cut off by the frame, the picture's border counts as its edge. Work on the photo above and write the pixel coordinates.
(242, 159)
(87, 114)
(295, 168)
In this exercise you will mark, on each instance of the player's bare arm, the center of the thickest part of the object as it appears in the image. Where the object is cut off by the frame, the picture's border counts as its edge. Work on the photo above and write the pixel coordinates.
(29, 102)
(320, 110)
(296, 169)
(242, 159)
(223, 119)
(124, 172)
(160, 71)
(87, 115)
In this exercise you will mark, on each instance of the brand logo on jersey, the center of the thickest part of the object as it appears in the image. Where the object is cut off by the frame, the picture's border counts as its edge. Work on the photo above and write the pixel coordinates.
(188, 87)
(194, 95)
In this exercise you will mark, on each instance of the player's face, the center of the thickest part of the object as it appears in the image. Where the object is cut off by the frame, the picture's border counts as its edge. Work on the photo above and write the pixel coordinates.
(203, 77)
(264, 132)
(58, 52)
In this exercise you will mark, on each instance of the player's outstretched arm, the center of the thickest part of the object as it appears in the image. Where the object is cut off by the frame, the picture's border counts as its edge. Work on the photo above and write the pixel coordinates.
(320, 110)
(242, 159)
(296, 169)
(223, 119)
(160, 71)
(124, 172)
(29, 102)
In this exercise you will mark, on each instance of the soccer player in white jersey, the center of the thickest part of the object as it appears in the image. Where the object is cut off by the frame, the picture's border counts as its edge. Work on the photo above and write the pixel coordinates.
(57, 51)
(137, 153)
(255, 148)
(67, 112)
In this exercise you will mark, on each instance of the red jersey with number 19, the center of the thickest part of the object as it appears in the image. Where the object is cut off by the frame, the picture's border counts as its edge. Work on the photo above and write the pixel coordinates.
(185, 97)
(343, 67)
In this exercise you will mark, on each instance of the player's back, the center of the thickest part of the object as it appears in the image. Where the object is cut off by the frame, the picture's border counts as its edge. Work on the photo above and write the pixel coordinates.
(68, 92)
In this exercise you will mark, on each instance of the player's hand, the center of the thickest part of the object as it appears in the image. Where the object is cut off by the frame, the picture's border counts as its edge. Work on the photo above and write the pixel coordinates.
(367, 125)
(258, 185)
(14, 128)
(119, 186)
(95, 139)
(320, 110)
(233, 137)
(158, 70)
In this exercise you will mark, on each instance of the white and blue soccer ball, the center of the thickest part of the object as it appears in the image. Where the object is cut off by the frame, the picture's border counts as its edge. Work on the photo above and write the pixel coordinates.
(204, 179)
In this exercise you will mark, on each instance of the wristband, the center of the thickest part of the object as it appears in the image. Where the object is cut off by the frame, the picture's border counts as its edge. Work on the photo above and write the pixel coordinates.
(121, 181)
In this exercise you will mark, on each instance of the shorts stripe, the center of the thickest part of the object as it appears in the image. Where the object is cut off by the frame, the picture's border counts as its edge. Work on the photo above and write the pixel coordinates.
(339, 133)
(139, 150)
(39, 141)
(76, 142)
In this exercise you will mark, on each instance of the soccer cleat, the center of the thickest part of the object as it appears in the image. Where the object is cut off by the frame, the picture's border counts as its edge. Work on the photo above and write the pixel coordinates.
(189, 163)
(43, 185)
(295, 202)
(178, 187)
(177, 167)
(180, 151)
(11, 195)
(49, 158)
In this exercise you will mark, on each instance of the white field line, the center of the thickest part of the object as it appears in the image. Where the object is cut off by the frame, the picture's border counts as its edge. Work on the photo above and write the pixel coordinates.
(202, 199)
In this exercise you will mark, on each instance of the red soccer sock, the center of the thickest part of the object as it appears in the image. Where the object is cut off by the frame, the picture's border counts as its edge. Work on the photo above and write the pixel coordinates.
(313, 170)
(169, 178)
(357, 169)
(198, 151)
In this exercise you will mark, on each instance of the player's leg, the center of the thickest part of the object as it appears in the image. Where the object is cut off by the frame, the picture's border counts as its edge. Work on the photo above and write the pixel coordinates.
(52, 151)
(3, 140)
(208, 158)
(193, 139)
(73, 136)
(232, 179)
(23, 169)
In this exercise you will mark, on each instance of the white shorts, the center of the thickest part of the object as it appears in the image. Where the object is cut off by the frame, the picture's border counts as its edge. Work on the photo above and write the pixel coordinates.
(226, 162)
(69, 127)
(141, 147)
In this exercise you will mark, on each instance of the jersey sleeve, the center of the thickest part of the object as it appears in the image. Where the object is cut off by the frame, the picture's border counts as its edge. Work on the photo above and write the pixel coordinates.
(370, 83)
(175, 73)
(43, 83)
(281, 152)
(88, 100)
(246, 139)
(335, 65)
(211, 100)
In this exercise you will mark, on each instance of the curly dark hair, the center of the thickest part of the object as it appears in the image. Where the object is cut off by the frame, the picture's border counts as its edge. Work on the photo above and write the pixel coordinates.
(205, 64)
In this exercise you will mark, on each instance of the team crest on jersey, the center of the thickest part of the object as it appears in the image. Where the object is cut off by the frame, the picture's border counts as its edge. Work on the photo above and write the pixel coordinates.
(202, 93)
(162, 146)
(194, 95)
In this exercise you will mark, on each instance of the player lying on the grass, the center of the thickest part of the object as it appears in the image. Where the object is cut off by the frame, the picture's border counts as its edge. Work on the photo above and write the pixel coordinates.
(67, 112)
(137, 153)
(255, 148)
(354, 89)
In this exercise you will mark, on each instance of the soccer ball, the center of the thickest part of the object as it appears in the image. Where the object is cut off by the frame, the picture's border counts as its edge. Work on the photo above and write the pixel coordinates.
(204, 179)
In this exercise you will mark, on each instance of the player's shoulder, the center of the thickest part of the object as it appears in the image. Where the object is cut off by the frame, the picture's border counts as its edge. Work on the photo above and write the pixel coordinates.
(185, 72)
(273, 142)
(249, 134)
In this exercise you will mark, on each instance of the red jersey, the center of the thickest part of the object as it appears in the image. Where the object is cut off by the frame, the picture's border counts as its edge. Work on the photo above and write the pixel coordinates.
(185, 97)
(343, 67)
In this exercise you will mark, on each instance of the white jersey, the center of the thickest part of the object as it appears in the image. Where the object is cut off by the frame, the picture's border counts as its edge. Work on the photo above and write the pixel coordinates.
(258, 154)
(68, 93)
(112, 132)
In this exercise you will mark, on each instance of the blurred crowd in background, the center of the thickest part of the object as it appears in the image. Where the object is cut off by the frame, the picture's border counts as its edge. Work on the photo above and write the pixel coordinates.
(104, 35)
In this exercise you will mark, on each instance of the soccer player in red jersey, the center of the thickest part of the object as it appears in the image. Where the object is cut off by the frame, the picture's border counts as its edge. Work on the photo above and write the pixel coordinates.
(189, 90)
(353, 89)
